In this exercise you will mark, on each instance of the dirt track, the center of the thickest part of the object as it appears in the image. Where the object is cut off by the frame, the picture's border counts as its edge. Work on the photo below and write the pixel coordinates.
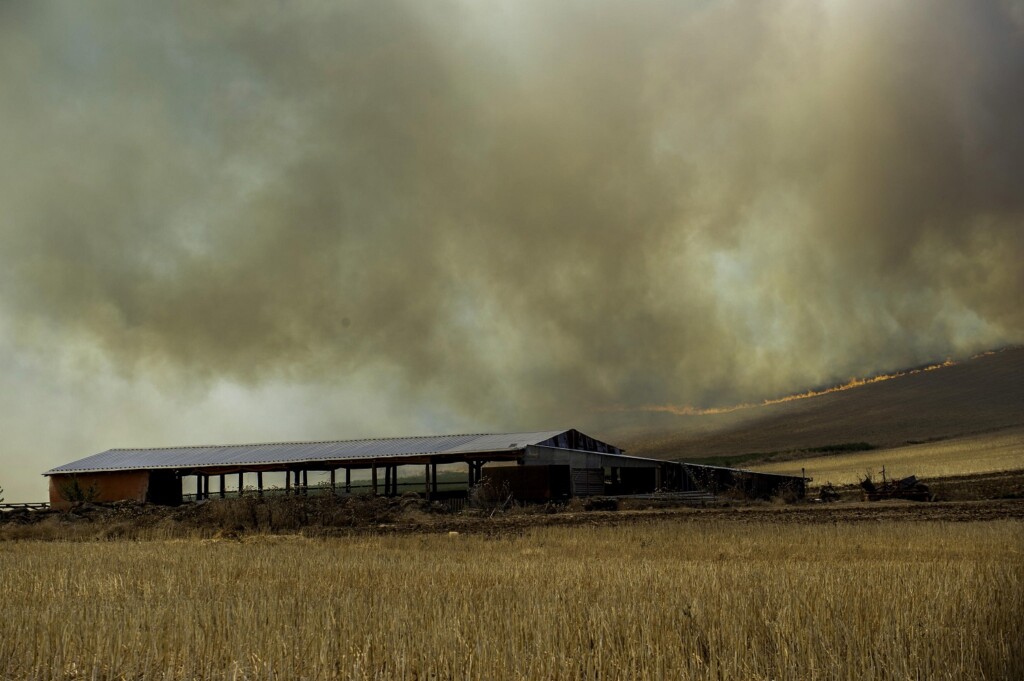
(879, 512)
(332, 517)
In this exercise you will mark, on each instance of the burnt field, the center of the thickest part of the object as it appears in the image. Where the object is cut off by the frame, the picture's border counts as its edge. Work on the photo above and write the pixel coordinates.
(969, 401)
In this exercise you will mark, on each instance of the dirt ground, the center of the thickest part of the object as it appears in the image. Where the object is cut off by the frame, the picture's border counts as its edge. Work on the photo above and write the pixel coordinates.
(1001, 485)
(964, 499)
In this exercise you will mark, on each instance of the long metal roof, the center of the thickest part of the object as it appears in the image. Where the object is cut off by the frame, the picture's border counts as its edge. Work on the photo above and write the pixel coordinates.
(313, 452)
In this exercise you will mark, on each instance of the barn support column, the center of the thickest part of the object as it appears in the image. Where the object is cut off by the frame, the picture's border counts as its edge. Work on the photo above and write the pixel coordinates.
(426, 479)
(433, 479)
(373, 479)
(394, 481)
(305, 482)
(221, 485)
(241, 483)
(387, 481)
(287, 482)
(333, 483)
(259, 482)
(348, 480)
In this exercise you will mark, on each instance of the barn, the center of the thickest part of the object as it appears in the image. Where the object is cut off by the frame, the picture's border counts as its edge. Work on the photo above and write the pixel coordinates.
(529, 466)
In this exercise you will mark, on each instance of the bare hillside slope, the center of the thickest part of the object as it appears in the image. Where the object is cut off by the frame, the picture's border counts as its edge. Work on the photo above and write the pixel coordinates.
(978, 395)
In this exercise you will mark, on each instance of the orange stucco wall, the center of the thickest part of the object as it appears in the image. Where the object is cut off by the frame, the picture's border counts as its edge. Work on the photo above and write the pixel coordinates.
(109, 486)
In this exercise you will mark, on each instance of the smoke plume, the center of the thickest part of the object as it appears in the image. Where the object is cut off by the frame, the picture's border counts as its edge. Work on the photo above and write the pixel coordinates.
(511, 213)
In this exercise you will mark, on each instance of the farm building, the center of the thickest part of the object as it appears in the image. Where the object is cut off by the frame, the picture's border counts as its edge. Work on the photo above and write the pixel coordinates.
(529, 466)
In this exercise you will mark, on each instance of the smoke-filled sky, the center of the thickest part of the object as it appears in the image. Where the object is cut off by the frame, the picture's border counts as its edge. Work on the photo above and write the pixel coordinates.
(245, 221)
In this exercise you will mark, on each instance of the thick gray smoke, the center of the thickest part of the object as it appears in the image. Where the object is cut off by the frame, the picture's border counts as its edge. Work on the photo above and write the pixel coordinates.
(516, 212)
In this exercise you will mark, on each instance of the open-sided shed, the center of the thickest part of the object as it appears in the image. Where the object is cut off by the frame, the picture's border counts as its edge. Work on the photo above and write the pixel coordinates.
(543, 464)
(158, 474)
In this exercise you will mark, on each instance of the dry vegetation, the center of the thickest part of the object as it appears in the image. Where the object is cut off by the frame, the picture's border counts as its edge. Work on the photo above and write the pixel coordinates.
(990, 452)
(715, 600)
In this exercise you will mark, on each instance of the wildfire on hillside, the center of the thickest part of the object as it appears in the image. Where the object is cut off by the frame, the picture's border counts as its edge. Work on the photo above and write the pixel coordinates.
(687, 410)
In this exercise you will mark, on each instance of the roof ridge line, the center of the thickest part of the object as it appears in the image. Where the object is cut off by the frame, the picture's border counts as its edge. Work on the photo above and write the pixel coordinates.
(323, 442)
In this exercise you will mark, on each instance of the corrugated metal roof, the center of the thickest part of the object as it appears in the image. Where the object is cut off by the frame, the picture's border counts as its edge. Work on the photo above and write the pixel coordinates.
(301, 452)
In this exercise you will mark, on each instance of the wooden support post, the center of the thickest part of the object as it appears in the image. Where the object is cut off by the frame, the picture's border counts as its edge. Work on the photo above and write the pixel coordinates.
(199, 486)
(221, 485)
(426, 480)
(332, 481)
(348, 480)
(387, 481)
(241, 483)
(305, 481)
(287, 482)
(373, 477)
(394, 479)
(433, 478)
(259, 482)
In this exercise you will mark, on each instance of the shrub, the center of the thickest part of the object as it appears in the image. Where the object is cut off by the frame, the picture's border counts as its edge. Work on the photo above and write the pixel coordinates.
(73, 491)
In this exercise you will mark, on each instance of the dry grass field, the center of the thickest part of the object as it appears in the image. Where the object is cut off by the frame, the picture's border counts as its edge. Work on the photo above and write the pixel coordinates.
(660, 600)
(989, 452)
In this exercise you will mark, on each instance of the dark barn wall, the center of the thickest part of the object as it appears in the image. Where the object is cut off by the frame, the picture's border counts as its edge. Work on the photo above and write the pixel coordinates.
(750, 484)
(636, 481)
(164, 488)
(133, 485)
(526, 483)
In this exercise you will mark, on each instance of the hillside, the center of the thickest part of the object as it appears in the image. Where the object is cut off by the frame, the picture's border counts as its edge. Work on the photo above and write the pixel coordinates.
(978, 395)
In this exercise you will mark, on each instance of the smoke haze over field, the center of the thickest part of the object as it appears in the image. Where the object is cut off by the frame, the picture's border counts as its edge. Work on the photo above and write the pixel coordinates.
(266, 220)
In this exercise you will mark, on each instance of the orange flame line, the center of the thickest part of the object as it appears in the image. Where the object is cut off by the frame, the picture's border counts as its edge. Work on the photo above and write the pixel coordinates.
(687, 410)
